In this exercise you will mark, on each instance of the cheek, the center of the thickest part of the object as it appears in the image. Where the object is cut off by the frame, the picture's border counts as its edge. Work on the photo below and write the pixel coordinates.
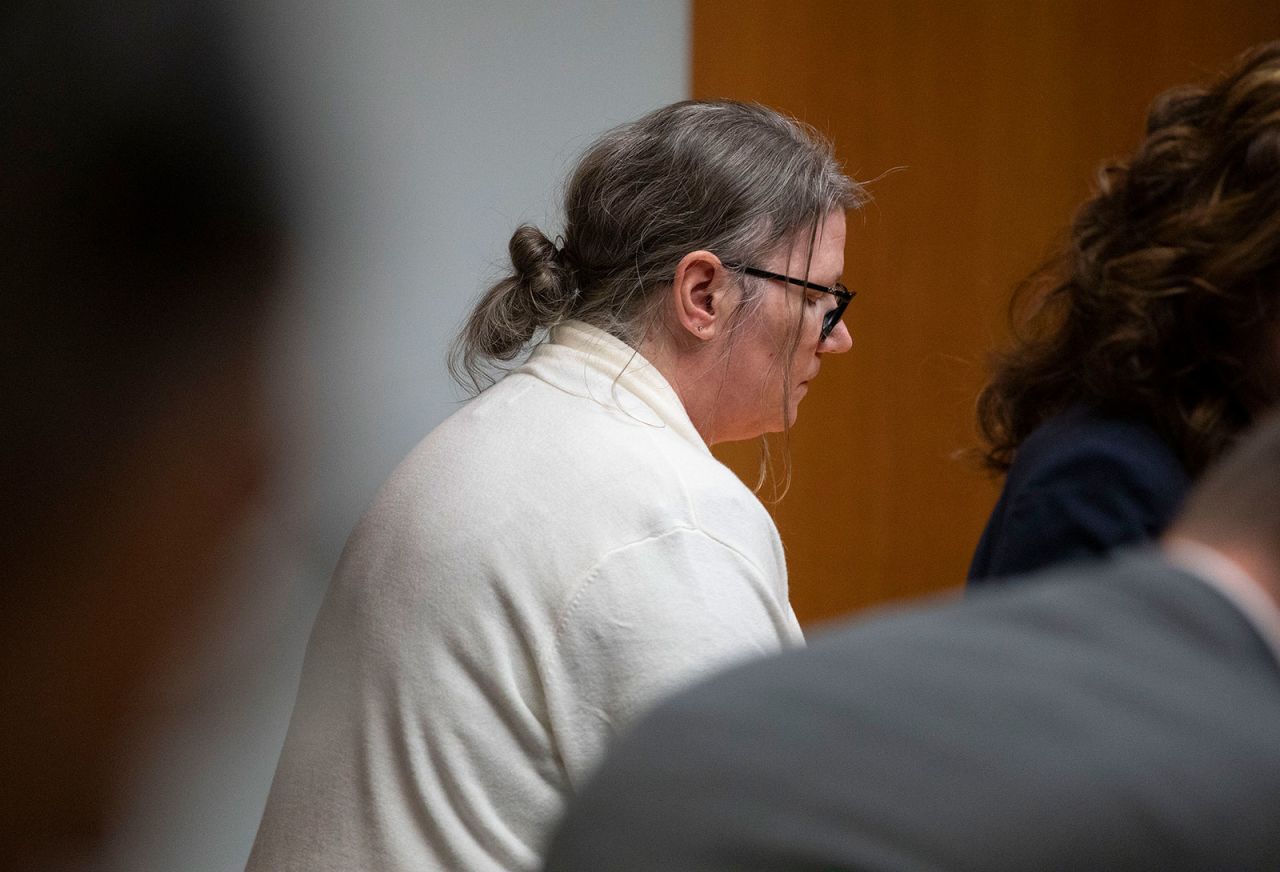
(802, 360)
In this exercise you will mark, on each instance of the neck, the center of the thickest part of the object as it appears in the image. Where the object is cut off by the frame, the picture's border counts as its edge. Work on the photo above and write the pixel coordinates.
(690, 372)
(1252, 565)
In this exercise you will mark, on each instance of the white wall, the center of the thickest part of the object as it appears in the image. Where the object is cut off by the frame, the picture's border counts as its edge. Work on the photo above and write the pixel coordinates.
(417, 136)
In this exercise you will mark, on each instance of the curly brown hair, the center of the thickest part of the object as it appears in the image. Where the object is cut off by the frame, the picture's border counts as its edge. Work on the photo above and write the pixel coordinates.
(1164, 302)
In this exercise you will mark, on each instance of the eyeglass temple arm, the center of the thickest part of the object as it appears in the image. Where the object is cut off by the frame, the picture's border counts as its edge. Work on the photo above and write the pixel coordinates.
(844, 294)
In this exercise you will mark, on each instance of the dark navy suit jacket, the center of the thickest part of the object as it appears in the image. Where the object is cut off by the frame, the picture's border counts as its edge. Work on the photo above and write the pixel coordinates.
(1081, 484)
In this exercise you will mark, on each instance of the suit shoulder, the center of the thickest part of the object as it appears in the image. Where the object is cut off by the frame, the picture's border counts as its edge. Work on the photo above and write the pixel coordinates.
(1083, 446)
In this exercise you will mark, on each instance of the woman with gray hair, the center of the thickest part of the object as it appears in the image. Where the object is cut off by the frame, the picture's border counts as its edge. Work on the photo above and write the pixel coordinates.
(565, 549)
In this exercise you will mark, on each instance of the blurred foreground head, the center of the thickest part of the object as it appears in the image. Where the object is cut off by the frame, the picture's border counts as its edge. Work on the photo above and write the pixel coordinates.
(138, 239)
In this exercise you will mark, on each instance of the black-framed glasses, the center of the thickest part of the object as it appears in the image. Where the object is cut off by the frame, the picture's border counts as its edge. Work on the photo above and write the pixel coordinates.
(842, 294)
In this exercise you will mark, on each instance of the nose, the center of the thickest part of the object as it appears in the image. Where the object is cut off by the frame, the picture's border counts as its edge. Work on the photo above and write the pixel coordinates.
(838, 341)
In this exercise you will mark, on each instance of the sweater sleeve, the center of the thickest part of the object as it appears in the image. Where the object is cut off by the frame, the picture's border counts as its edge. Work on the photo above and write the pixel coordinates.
(650, 618)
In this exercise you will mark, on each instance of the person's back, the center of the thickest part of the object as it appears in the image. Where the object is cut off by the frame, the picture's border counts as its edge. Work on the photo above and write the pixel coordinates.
(493, 695)
(1082, 484)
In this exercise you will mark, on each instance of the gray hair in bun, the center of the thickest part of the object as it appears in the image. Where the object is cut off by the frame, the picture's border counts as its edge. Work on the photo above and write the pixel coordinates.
(738, 179)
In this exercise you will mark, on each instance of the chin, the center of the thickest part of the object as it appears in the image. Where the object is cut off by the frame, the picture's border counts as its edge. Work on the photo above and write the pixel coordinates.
(793, 413)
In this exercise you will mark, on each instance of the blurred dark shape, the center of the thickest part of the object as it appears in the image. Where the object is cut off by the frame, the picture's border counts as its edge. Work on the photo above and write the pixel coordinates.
(139, 235)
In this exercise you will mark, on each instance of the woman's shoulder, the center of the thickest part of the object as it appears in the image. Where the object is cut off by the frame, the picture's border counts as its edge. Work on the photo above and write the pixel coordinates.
(1083, 483)
(524, 448)
(1085, 443)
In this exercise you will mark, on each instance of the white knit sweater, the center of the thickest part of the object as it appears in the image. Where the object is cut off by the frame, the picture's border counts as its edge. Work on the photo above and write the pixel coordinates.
(548, 561)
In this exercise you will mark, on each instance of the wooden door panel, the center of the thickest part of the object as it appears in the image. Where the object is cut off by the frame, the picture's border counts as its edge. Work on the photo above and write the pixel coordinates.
(983, 122)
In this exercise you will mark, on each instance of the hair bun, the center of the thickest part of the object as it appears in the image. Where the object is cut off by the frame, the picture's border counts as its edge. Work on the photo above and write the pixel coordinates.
(540, 271)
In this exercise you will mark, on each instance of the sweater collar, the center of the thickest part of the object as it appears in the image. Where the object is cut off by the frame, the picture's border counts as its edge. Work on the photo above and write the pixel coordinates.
(585, 361)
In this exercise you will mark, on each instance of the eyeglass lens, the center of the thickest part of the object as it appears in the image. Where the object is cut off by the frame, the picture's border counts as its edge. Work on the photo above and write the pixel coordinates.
(833, 317)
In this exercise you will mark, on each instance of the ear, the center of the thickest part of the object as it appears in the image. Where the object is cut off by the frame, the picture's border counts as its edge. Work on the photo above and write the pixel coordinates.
(698, 294)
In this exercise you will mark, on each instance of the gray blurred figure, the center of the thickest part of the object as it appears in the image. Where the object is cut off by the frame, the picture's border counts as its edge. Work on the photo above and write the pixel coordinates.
(1113, 715)
(139, 235)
